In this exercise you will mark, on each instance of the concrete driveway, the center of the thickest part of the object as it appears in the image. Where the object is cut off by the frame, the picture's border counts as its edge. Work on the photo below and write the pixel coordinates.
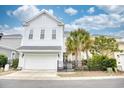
(41, 75)
(30, 75)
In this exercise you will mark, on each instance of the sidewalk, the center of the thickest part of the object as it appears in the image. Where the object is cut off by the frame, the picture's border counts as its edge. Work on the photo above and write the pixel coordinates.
(20, 75)
(91, 78)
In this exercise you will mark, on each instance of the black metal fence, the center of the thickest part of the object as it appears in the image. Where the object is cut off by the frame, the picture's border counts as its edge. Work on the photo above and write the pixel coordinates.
(67, 66)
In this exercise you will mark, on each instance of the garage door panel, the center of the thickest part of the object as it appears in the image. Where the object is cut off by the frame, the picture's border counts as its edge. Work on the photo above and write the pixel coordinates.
(38, 61)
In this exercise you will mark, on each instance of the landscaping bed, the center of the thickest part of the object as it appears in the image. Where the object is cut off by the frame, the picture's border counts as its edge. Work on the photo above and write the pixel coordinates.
(89, 74)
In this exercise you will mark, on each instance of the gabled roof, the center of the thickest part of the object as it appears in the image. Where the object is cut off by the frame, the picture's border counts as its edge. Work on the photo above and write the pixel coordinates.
(43, 12)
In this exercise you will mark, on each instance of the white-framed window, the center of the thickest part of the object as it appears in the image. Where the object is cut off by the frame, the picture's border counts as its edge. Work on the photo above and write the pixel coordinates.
(53, 34)
(31, 34)
(42, 34)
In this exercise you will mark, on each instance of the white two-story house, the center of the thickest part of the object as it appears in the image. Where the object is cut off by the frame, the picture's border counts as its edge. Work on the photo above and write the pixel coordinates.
(42, 43)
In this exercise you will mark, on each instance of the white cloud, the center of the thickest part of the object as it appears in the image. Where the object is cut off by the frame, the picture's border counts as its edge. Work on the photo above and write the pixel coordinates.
(70, 27)
(15, 30)
(119, 34)
(5, 26)
(51, 11)
(91, 10)
(26, 12)
(60, 18)
(7, 30)
(9, 12)
(112, 8)
(71, 11)
(98, 22)
(95, 22)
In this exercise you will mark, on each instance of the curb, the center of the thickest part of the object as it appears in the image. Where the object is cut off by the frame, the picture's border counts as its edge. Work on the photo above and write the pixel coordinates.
(64, 78)
(92, 78)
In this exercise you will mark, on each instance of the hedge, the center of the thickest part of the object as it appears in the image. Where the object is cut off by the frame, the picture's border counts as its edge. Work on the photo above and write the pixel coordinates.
(98, 62)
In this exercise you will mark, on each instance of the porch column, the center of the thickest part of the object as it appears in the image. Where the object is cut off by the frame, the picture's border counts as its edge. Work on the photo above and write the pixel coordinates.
(61, 59)
(21, 60)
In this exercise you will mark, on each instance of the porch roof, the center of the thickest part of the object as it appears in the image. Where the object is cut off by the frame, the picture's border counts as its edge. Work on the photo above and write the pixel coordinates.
(39, 48)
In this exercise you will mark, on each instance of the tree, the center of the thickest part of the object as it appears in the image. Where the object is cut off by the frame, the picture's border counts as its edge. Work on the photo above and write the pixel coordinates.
(76, 43)
(104, 46)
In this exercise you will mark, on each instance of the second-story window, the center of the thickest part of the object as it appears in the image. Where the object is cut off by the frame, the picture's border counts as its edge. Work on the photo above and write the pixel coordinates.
(53, 34)
(42, 34)
(31, 34)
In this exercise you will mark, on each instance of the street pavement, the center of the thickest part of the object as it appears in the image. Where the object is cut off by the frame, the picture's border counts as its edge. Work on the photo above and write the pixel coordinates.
(100, 83)
(30, 79)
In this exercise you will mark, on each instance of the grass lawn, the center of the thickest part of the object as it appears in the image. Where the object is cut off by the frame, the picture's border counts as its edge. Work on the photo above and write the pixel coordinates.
(6, 72)
(88, 74)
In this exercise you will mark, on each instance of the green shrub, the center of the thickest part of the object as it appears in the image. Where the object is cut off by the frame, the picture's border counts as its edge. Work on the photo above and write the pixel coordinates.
(3, 60)
(98, 62)
(15, 63)
(108, 63)
(94, 62)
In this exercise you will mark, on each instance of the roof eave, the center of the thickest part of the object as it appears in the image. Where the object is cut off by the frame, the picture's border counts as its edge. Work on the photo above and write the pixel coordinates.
(22, 50)
(7, 48)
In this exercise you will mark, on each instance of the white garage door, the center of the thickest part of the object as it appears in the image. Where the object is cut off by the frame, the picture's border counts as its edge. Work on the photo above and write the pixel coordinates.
(41, 61)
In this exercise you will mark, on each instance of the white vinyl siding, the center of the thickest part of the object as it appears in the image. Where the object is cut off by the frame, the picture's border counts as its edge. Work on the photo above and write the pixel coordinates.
(53, 34)
(43, 22)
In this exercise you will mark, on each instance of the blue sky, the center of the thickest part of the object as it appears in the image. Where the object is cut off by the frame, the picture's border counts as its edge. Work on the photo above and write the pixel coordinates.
(108, 20)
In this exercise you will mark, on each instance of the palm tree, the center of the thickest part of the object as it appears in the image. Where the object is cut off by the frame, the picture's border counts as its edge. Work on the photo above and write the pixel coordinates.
(76, 43)
(87, 47)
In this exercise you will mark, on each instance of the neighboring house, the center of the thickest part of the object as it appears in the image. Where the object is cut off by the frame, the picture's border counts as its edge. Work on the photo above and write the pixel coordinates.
(42, 43)
(9, 44)
(120, 55)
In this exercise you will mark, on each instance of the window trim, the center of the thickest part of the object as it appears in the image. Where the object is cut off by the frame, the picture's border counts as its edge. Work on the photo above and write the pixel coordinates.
(53, 34)
(30, 34)
(42, 34)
